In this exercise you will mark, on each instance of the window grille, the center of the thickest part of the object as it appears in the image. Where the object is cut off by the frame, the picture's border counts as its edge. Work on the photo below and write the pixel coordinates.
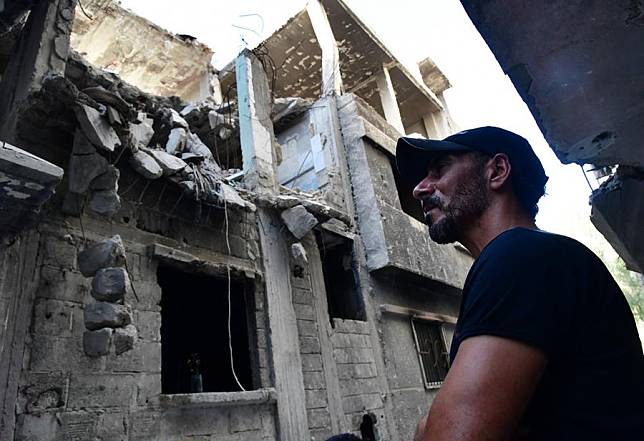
(432, 351)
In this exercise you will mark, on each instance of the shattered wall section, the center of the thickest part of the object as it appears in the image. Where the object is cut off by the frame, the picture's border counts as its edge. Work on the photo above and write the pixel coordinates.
(141, 52)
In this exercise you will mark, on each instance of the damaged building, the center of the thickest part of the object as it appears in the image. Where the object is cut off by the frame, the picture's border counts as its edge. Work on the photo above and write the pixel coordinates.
(191, 254)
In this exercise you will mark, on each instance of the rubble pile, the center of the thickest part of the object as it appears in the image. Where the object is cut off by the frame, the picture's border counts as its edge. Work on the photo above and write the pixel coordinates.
(159, 137)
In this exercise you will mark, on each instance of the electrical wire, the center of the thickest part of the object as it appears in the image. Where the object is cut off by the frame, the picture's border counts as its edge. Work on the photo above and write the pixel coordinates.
(230, 337)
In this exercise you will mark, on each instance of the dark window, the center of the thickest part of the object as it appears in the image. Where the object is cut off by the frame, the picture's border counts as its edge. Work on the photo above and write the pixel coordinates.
(340, 281)
(195, 355)
(432, 351)
(408, 204)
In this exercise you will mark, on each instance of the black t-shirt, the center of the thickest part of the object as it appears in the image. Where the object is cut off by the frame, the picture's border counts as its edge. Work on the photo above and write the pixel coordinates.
(551, 292)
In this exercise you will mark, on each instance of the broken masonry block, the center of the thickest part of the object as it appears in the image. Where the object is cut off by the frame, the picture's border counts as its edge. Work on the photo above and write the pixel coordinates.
(97, 343)
(298, 221)
(196, 146)
(100, 315)
(83, 169)
(125, 339)
(108, 253)
(176, 141)
(143, 131)
(145, 165)
(109, 180)
(114, 117)
(96, 128)
(176, 120)
(299, 253)
(169, 164)
(105, 202)
(110, 284)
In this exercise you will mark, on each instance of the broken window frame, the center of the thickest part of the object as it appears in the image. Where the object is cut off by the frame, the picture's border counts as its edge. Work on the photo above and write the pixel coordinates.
(431, 383)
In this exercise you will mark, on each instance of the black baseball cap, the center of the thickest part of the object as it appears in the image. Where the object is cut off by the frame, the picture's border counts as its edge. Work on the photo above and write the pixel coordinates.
(527, 176)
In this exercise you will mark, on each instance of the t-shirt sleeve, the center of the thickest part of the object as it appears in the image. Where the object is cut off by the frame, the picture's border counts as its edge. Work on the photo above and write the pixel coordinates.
(522, 291)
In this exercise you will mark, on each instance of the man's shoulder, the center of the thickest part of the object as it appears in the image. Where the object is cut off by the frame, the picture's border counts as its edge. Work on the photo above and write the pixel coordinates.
(526, 242)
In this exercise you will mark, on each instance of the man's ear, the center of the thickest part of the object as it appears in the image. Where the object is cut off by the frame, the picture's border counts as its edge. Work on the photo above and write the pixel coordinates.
(499, 170)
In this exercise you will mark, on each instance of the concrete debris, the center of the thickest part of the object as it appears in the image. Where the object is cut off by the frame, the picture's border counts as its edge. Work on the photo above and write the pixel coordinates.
(125, 339)
(108, 253)
(289, 108)
(299, 253)
(216, 119)
(192, 158)
(176, 120)
(231, 197)
(97, 343)
(97, 128)
(105, 202)
(188, 186)
(170, 164)
(113, 116)
(298, 221)
(83, 169)
(196, 146)
(111, 99)
(110, 284)
(145, 165)
(100, 315)
(176, 141)
(109, 180)
(142, 132)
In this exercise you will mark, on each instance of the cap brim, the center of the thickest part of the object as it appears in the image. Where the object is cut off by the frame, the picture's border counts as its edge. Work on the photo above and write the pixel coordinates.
(413, 156)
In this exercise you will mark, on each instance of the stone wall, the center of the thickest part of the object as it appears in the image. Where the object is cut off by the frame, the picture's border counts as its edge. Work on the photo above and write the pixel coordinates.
(64, 394)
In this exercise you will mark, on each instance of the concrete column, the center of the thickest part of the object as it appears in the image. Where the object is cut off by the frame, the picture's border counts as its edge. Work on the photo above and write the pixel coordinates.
(255, 125)
(42, 49)
(436, 125)
(256, 136)
(388, 100)
(331, 78)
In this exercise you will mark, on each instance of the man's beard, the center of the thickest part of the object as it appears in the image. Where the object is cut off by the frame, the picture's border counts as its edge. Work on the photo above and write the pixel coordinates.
(469, 201)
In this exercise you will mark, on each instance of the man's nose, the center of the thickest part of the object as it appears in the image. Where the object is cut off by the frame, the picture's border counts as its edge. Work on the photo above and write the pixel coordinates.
(423, 189)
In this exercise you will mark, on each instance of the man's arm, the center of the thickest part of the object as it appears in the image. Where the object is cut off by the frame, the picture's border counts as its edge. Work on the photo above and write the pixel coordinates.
(485, 392)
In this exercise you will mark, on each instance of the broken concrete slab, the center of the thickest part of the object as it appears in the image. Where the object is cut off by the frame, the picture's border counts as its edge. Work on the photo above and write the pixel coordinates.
(97, 128)
(113, 116)
(108, 253)
(105, 202)
(100, 315)
(110, 284)
(176, 141)
(176, 120)
(146, 165)
(97, 343)
(125, 339)
(169, 163)
(83, 169)
(196, 146)
(143, 131)
(298, 221)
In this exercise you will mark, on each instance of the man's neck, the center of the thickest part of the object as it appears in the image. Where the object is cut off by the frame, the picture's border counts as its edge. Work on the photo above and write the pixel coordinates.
(494, 221)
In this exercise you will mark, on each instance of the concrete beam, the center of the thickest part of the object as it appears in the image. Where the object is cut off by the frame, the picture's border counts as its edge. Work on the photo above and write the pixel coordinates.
(26, 183)
(618, 215)
(388, 100)
(331, 78)
(255, 124)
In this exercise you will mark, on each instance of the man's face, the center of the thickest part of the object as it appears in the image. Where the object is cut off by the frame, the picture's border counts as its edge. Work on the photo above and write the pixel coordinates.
(453, 195)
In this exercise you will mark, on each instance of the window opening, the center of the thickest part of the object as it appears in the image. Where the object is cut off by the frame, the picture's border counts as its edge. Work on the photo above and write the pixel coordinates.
(195, 355)
(432, 351)
(340, 281)
(408, 203)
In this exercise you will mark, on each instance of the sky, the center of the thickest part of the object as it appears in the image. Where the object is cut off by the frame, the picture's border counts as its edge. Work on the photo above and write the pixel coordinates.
(413, 30)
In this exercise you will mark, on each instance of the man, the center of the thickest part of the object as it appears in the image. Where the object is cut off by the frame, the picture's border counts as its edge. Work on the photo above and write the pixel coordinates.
(545, 347)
